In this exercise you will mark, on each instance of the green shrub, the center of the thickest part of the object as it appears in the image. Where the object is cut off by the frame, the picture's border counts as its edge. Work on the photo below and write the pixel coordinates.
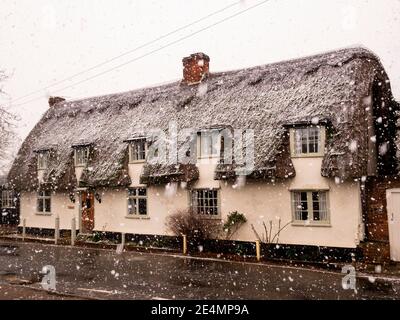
(233, 222)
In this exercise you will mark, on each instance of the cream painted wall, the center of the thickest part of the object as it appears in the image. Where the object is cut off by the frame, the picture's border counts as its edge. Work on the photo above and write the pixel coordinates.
(111, 213)
(271, 201)
(60, 206)
(134, 171)
(259, 201)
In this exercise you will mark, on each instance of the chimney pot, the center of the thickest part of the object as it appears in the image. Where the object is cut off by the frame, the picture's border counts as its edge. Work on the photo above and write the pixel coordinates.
(54, 100)
(195, 68)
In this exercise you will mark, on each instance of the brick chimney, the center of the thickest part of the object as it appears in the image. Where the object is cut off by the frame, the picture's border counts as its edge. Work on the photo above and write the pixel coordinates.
(195, 68)
(54, 100)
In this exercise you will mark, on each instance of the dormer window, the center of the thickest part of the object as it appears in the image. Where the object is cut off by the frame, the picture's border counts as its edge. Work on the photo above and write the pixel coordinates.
(81, 156)
(307, 141)
(208, 144)
(43, 160)
(138, 150)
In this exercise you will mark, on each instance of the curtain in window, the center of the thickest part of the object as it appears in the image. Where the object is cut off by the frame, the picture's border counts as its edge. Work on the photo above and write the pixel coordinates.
(323, 211)
(297, 142)
(297, 206)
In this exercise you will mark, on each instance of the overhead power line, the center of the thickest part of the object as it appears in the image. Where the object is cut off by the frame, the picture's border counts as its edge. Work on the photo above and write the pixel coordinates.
(151, 52)
(53, 84)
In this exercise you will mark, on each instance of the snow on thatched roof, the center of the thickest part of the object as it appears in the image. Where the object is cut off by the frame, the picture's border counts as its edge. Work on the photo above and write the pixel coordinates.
(331, 86)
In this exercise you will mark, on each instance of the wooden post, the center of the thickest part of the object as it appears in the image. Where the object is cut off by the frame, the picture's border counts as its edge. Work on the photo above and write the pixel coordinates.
(258, 250)
(184, 244)
(23, 229)
(122, 239)
(57, 230)
(73, 231)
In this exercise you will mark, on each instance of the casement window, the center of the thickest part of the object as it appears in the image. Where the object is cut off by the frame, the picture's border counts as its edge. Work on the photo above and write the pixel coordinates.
(43, 160)
(307, 141)
(205, 202)
(81, 156)
(43, 202)
(137, 202)
(310, 207)
(138, 150)
(7, 199)
(208, 144)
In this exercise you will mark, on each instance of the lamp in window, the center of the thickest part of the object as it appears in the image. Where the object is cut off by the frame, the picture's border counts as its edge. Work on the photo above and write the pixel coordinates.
(98, 197)
(72, 197)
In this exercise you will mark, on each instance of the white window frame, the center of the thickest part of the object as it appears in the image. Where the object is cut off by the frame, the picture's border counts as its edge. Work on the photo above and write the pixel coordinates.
(42, 196)
(310, 209)
(7, 199)
(205, 149)
(137, 198)
(78, 162)
(194, 200)
(43, 160)
(136, 155)
(296, 149)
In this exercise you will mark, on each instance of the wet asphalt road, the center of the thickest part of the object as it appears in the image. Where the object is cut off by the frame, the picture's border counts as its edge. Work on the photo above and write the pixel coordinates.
(105, 274)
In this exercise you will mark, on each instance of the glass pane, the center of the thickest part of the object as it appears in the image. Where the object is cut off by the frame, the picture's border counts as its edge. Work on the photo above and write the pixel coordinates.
(304, 205)
(142, 192)
(304, 140)
(205, 201)
(316, 205)
(40, 205)
(138, 150)
(82, 155)
(47, 205)
(131, 192)
(142, 206)
(313, 139)
(42, 160)
(131, 206)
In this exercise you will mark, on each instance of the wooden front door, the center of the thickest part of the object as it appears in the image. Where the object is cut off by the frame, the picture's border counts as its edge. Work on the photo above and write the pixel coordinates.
(87, 205)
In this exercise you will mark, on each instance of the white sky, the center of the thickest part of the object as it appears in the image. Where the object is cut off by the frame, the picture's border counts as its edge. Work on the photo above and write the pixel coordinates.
(43, 41)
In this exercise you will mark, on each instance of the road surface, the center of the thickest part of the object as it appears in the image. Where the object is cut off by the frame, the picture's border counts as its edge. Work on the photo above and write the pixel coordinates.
(105, 274)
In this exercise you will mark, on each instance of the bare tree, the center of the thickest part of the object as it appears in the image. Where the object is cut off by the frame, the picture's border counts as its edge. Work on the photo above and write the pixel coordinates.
(7, 130)
(269, 236)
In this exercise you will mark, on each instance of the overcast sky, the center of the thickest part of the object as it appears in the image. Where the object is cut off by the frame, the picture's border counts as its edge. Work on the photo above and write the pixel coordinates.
(44, 41)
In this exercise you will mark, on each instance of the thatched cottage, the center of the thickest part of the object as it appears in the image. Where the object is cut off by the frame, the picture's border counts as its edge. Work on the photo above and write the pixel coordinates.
(322, 127)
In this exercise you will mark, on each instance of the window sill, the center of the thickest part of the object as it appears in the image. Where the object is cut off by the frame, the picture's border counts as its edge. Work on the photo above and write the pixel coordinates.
(208, 157)
(138, 217)
(316, 155)
(80, 166)
(204, 217)
(137, 161)
(43, 213)
(311, 224)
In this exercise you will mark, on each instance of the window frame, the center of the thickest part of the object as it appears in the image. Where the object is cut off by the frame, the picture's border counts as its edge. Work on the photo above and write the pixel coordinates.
(41, 196)
(10, 200)
(203, 215)
(137, 197)
(200, 154)
(321, 142)
(310, 210)
(133, 147)
(87, 151)
(43, 155)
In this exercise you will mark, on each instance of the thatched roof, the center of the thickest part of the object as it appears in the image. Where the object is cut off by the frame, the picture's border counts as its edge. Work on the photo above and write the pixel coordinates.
(334, 86)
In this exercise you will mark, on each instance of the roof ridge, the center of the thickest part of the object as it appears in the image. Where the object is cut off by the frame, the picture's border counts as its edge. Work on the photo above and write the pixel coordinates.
(167, 84)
